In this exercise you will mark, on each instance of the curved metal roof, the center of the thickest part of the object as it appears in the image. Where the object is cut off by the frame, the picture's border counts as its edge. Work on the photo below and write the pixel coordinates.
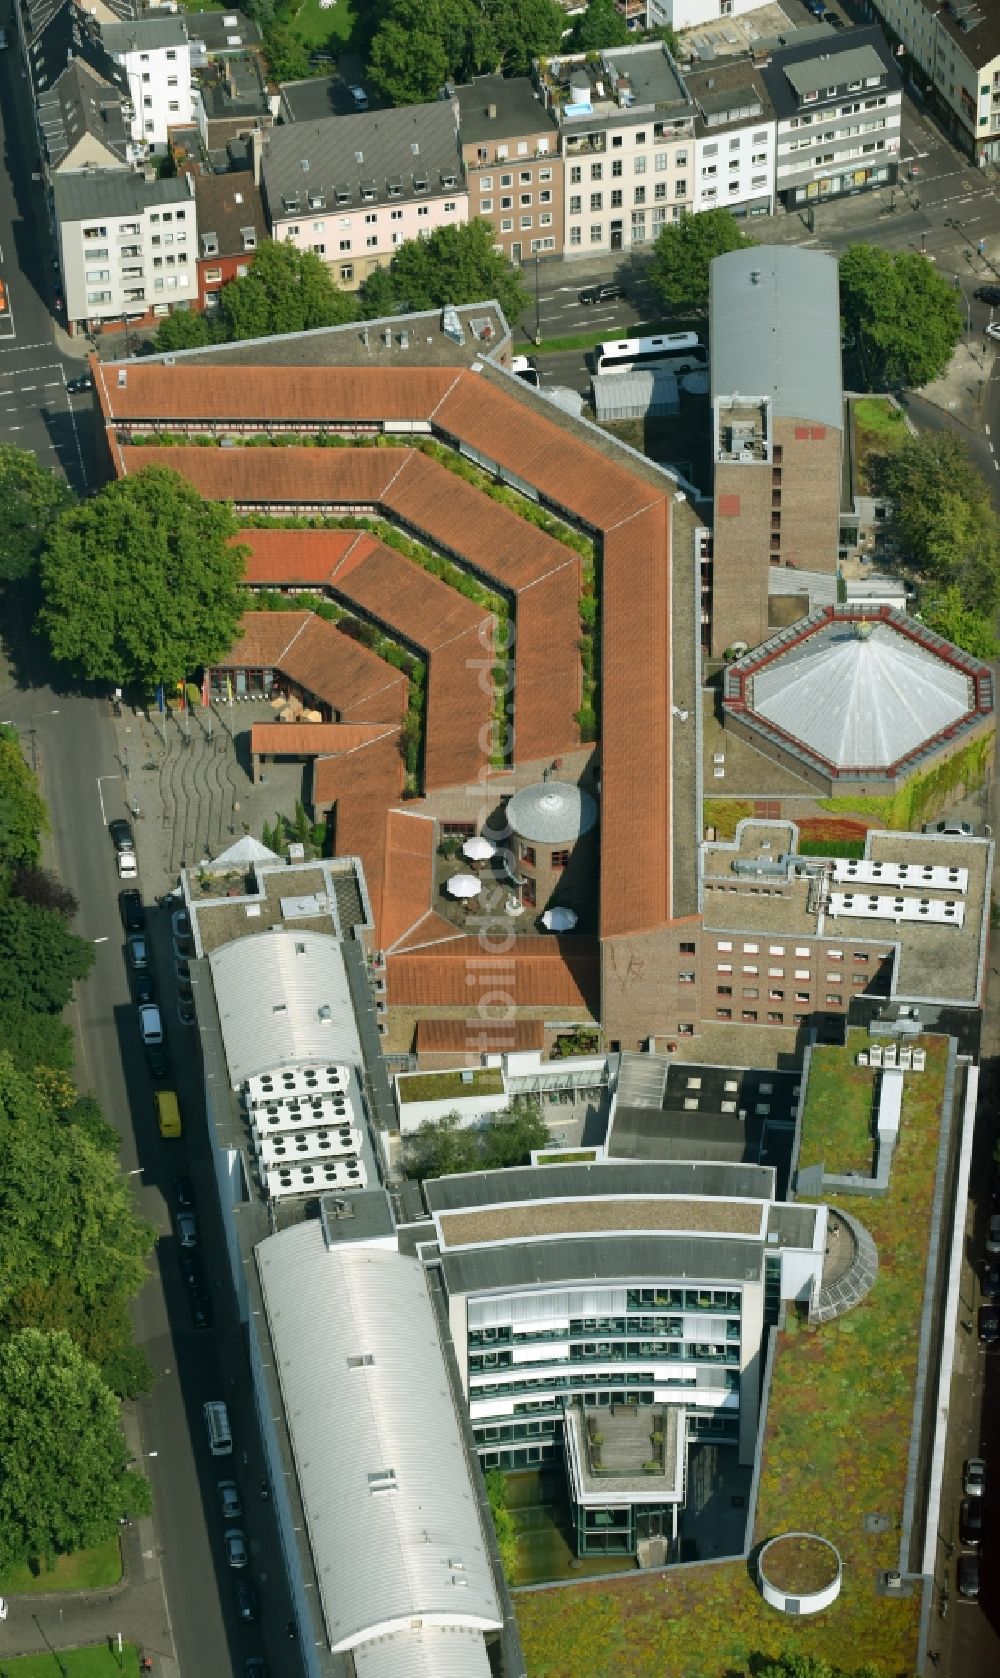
(552, 812)
(283, 999)
(775, 326)
(391, 1511)
(860, 701)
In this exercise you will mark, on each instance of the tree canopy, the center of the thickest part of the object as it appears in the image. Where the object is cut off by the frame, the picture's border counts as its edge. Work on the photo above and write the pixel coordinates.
(900, 315)
(948, 614)
(143, 583)
(185, 329)
(455, 265)
(442, 1147)
(23, 816)
(286, 290)
(944, 520)
(421, 44)
(40, 958)
(66, 1482)
(31, 497)
(601, 25)
(684, 251)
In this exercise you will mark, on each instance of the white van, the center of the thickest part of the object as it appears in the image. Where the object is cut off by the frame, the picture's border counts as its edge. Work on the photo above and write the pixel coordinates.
(220, 1438)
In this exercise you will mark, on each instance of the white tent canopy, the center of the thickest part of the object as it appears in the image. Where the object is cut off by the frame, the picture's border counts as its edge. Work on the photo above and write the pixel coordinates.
(560, 919)
(464, 885)
(478, 849)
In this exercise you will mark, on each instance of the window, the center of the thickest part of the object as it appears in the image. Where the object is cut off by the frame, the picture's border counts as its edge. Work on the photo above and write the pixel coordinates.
(597, 171)
(596, 201)
(617, 141)
(681, 159)
(724, 946)
(686, 949)
(525, 200)
(776, 995)
(98, 297)
(545, 198)
(596, 233)
(525, 177)
(560, 859)
(525, 222)
(173, 105)
(372, 241)
(395, 215)
(423, 210)
(723, 1013)
(507, 203)
(749, 1014)
(640, 195)
(639, 165)
(661, 161)
(345, 245)
(576, 235)
(750, 992)
(506, 180)
(660, 190)
(545, 174)
(522, 148)
(575, 175)
(640, 138)
(485, 204)
(171, 81)
(685, 978)
(486, 183)
(861, 957)
(616, 169)
(725, 967)
(449, 208)
(145, 76)
(616, 198)
(834, 999)
(545, 219)
(94, 276)
(723, 990)
(775, 1019)
(680, 189)
(576, 205)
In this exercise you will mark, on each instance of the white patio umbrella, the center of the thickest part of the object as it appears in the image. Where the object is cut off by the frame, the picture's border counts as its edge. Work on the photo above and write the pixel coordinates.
(478, 849)
(559, 919)
(464, 885)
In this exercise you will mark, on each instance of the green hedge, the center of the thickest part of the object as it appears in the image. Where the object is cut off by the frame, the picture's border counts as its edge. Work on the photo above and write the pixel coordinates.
(923, 796)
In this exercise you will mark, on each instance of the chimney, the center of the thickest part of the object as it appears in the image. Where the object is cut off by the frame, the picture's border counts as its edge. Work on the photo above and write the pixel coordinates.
(491, 112)
(256, 148)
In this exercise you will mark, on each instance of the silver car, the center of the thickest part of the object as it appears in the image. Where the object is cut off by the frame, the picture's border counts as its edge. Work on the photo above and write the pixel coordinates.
(237, 1554)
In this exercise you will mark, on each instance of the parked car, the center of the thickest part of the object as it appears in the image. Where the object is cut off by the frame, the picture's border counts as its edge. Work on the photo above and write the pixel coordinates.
(968, 1577)
(987, 294)
(183, 1192)
(180, 926)
(80, 384)
(185, 1010)
(121, 835)
(230, 1500)
(526, 369)
(182, 971)
(255, 1667)
(128, 868)
(156, 1060)
(187, 1229)
(970, 1521)
(592, 294)
(189, 1265)
(989, 1325)
(247, 1600)
(237, 1554)
(145, 988)
(990, 1284)
(4, 43)
(131, 910)
(951, 829)
(138, 953)
(974, 1478)
(993, 1234)
(201, 1309)
(150, 1025)
(360, 98)
(993, 329)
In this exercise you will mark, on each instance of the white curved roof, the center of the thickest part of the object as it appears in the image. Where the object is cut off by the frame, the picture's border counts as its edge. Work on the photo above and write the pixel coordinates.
(284, 1000)
(389, 1503)
(552, 812)
(859, 701)
(425, 1652)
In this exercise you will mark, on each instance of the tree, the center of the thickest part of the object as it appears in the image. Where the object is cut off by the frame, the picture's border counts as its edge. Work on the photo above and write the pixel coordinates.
(525, 30)
(943, 517)
(442, 1147)
(35, 1040)
(900, 315)
(66, 1481)
(948, 614)
(142, 584)
(65, 1208)
(503, 1521)
(286, 290)
(601, 25)
(378, 297)
(185, 329)
(30, 499)
(684, 251)
(40, 958)
(285, 52)
(421, 44)
(23, 816)
(456, 265)
(44, 888)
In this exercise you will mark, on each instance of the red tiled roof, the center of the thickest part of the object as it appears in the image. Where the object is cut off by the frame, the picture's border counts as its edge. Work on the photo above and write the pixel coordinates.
(363, 785)
(538, 973)
(408, 875)
(192, 390)
(315, 655)
(413, 604)
(276, 477)
(635, 701)
(311, 739)
(478, 1036)
(539, 450)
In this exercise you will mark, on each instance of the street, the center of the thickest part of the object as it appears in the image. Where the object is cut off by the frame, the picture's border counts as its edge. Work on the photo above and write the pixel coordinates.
(70, 735)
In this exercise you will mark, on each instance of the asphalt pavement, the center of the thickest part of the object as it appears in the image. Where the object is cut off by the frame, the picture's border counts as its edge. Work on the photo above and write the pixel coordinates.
(178, 1598)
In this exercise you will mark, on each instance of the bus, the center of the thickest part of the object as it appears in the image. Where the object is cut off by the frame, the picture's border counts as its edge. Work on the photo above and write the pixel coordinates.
(620, 355)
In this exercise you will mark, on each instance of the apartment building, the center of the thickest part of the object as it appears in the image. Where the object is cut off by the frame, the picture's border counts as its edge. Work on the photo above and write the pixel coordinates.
(839, 114)
(514, 173)
(231, 226)
(777, 417)
(627, 126)
(156, 57)
(354, 188)
(127, 246)
(952, 51)
(735, 139)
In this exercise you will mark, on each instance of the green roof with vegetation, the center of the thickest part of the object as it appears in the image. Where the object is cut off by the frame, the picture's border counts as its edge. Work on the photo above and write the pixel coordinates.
(445, 1086)
(835, 1450)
